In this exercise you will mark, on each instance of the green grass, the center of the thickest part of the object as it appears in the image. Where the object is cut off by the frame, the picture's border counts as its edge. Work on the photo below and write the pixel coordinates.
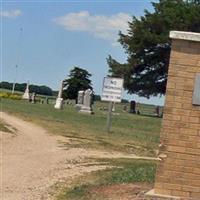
(127, 171)
(130, 133)
(9, 91)
(51, 99)
(145, 109)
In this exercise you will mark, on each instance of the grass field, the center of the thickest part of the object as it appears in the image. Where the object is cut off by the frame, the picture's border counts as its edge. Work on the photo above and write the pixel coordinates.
(94, 185)
(130, 133)
(19, 94)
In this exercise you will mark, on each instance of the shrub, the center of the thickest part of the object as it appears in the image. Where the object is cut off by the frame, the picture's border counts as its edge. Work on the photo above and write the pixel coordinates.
(9, 95)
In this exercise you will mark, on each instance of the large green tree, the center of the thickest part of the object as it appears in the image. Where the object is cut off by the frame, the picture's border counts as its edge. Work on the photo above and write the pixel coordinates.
(148, 45)
(79, 79)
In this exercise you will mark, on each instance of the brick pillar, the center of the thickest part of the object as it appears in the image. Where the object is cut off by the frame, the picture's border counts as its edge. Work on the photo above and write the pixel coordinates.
(178, 173)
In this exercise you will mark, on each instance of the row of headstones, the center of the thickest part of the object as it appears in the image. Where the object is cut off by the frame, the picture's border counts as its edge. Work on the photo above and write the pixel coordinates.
(84, 101)
(32, 97)
(134, 109)
(133, 105)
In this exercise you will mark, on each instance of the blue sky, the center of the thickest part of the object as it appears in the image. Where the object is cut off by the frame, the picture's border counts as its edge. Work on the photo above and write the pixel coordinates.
(46, 39)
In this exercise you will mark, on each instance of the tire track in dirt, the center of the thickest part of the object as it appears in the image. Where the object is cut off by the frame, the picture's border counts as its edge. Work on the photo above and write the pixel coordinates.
(32, 160)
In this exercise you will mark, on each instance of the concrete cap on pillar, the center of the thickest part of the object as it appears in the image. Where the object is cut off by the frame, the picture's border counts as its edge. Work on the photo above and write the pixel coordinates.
(185, 35)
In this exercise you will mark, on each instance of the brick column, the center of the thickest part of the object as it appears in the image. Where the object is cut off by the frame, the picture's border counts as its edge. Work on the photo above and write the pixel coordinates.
(178, 173)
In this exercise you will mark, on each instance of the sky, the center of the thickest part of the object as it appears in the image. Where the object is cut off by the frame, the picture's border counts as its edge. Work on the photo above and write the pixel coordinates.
(46, 39)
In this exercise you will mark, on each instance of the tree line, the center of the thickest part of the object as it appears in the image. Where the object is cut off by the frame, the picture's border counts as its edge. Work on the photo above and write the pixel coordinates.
(42, 90)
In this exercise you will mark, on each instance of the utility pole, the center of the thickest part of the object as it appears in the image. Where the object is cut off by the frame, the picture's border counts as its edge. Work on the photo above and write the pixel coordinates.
(17, 59)
(14, 83)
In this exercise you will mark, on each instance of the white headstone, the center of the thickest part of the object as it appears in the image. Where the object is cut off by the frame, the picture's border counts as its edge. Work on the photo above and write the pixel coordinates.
(80, 100)
(80, 97)
(33, 100)
(26, 94)
(87, 102)
(113, 108)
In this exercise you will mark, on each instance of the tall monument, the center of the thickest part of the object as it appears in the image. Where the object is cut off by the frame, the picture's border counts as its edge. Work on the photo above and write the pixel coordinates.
(26, 94)
(59, 100)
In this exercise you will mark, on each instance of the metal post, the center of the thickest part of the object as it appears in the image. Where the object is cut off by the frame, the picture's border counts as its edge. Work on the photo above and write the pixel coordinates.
(109, 117)
(17, 59)
(13, 88)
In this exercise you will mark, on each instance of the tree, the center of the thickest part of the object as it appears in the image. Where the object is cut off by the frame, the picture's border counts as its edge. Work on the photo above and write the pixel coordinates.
(78, 80)
(148, 46)
(44, 90)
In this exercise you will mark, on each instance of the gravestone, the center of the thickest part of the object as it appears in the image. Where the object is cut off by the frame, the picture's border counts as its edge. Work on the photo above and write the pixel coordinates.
(157, 111)
(87, 102)
(113, 108)
(80, 100)
(80, 97)
(59, 100)
(33, 100)
(125, 108)
(41, 101)
(178, 173)
(132, 107)
(138, 112)
(46, 100)
(26, 94)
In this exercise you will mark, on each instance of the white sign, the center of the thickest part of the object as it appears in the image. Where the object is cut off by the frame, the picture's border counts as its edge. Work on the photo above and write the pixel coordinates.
(112, 89)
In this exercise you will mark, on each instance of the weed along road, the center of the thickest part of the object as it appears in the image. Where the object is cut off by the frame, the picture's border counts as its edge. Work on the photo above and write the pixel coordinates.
(34, 160)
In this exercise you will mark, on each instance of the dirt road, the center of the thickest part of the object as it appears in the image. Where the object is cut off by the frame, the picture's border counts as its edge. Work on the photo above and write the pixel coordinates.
(33, 160)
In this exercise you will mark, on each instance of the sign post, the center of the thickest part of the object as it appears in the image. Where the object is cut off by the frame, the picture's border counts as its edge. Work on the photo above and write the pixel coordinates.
(109, 117)
(112, 92)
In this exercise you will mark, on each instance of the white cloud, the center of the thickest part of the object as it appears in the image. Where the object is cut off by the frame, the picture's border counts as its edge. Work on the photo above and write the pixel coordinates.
(100, 26)
(11, 13)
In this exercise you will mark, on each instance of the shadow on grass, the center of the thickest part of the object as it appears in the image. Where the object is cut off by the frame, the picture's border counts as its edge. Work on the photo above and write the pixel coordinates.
(125, 171)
